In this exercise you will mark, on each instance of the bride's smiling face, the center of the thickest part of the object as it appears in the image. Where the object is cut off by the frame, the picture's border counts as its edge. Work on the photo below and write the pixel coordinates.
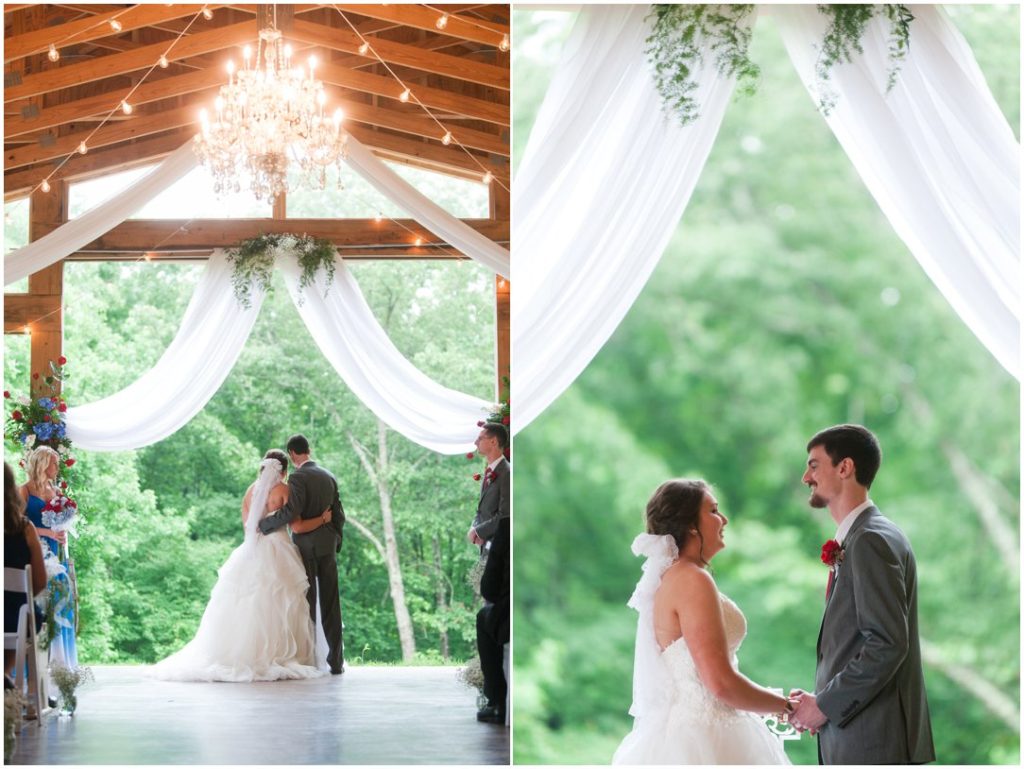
(712, 525)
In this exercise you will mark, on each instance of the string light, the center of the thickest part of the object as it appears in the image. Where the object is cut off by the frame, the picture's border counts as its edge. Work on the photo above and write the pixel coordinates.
(126, 108)
(488, 178)
(163, 61)
(364, 48)
(378, 217)
(442, 22)
(418, 242)
(505, 43)
(447, 138)
(45, 187)
(207, 13)
(405, 95)
(82, 148)
(53, 53)
(115, 25)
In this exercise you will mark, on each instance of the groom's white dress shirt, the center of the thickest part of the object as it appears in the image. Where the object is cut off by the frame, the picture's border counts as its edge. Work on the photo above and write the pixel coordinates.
(847, 522)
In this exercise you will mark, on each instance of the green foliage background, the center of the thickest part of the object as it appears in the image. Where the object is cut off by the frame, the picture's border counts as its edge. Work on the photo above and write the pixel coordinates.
(784, 303)
(161, 520)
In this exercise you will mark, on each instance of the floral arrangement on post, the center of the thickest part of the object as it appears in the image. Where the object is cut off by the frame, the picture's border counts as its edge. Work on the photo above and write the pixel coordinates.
(500, 413)
(68, 680)
(40, 422)
(252, 262)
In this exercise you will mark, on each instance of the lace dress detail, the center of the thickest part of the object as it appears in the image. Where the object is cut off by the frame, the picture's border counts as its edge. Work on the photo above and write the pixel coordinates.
(689, 693)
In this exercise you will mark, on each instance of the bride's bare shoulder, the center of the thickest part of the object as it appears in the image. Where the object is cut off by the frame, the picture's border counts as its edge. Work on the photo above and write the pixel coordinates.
(687, 579)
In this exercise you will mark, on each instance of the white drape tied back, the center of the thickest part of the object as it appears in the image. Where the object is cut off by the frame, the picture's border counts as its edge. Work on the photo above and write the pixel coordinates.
(212, 335)
(652, 684)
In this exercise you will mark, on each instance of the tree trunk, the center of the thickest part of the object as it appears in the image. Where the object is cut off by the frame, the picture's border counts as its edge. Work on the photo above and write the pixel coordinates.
(442, 601)
(404, 621)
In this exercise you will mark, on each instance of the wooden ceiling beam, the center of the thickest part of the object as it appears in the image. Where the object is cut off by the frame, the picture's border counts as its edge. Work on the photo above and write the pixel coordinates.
(432, 62)
(431, 155)
(103, 161)
(419, 17)
(94, 28)
(102, 103)
(130, 61)
(140, 235)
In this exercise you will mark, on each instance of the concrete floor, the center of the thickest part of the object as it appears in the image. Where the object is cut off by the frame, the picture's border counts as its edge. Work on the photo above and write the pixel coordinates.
(369, 715)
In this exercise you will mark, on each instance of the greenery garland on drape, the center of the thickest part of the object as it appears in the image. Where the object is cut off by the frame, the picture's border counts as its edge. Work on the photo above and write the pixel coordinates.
(674, 48)
(252, 262)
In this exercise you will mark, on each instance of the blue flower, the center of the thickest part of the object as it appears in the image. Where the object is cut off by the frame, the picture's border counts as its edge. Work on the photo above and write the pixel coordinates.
(44, 430)
(61, 430)
(47, 403)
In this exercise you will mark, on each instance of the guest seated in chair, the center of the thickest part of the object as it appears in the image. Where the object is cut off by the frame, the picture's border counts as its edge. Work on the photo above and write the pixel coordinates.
(21, 547)
(492, 625)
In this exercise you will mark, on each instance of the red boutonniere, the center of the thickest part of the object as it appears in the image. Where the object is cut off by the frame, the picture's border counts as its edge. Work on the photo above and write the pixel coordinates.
(490, 476)
(832, 553)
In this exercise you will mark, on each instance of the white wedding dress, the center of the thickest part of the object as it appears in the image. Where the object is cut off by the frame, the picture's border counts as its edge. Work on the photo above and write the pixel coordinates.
(676, 719)
(256, 626)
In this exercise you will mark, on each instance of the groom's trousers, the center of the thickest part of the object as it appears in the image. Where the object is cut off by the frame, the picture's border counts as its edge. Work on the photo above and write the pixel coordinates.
(490, 647)
(323, 571)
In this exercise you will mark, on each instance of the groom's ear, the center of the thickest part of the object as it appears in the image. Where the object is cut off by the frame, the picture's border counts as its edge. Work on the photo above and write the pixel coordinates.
(846, 468)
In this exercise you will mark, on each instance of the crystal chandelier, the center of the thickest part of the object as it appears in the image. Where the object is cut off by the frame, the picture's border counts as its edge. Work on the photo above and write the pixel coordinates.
(265, 113)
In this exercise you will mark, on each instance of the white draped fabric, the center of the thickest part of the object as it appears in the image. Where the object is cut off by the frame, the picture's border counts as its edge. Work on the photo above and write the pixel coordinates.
(426, 212)
(190, 371)
(211, 337)
(938, 156)
(72, 235)
(602, 185)
(355, 344)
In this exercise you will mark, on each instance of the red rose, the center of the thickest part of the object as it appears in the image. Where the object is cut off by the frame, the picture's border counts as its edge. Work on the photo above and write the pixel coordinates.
(7, 393)
(831, 553)
(46, 417)
(504, 420)
(480, 423)
(476, 476)
(68, 462)
(63, 484)
(35, 375)
(61, 360)
(469, 455)
(62, 408)
(16, 416)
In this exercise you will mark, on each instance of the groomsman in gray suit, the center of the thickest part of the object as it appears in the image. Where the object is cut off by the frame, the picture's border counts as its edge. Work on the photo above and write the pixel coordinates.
(311, 490)
(495, 485)
(869, 704)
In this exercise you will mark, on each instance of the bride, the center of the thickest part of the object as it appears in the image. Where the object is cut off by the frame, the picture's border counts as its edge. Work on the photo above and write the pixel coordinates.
(691, 705)
(257, 625)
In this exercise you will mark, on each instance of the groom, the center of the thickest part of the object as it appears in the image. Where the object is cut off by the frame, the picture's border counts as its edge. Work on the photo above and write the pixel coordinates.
(311, 490)
(869, 704)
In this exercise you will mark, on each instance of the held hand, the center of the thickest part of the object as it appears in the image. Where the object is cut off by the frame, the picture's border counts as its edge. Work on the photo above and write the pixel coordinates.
(327, 515)
(474, 537)
(807, 716)
(60, 536)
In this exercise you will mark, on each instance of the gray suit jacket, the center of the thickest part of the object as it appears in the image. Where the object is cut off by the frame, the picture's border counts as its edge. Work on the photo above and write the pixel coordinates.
(869, 680)
(311, 490)
(495, 502)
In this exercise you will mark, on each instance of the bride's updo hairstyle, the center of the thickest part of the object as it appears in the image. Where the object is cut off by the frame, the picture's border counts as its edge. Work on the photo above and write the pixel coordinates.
(280, 456)
(674, 509)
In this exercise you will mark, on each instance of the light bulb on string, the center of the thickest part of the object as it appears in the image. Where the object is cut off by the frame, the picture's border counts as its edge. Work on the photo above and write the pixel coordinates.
(45, 187)
(488, 178)
(378, 218)
(126, 108)
(505, 43)
(405, 95)
(53, 54)
(447, 138)
(207, 13)
(442, 22)
(364, 48)
(164, 64)
(115, 25)
(418, 242)
(82, 148)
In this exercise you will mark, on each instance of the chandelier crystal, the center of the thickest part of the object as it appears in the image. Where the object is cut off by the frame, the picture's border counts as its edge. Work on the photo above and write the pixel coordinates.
(270, 114)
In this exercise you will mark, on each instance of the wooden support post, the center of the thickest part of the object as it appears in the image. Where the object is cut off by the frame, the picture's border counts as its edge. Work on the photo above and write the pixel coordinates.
(47, 212)
(500, 211)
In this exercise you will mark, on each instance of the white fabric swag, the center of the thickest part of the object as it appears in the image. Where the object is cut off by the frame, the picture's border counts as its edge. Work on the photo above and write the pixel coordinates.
(212, 335)
(72, 235)
(606, 177)
(603, 182)
(76, 233)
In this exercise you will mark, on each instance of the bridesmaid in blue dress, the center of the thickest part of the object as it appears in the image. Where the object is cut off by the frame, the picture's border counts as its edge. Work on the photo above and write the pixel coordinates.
(42, 467)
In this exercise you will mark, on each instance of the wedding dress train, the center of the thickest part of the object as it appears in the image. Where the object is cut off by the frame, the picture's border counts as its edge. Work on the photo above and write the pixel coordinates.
(676, 719)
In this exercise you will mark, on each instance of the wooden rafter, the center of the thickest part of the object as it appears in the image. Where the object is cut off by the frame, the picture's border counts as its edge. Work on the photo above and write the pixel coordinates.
(418, 17)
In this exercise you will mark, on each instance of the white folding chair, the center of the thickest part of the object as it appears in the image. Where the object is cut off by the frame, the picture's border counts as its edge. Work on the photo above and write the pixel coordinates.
(23, 641)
